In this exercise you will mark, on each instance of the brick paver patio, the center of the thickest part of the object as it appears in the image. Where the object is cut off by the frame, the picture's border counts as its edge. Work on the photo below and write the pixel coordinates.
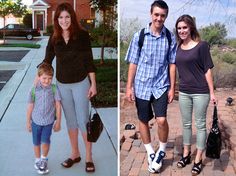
(133, 158)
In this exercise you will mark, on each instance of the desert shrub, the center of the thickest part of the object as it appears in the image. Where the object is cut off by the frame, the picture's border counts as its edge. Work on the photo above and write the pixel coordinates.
(229, 57)
(123, 63)
(231, 42)
(223, 74)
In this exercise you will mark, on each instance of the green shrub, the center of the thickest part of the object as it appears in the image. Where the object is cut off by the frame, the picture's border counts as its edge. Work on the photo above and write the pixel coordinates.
(229, 57)
(49, 29)
(97, 39)
(106, 77)
(27, 20)
(214, 51)
(232, 43)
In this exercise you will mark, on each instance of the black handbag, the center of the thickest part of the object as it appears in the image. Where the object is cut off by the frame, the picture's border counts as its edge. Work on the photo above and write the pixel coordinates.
(213, 144)
(94, 126)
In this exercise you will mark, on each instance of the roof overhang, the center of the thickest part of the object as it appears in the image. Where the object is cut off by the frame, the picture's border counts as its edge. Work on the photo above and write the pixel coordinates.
(39, 4)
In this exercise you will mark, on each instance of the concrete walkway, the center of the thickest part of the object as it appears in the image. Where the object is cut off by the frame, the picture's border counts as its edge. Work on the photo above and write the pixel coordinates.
(133, 157)
(16, 148)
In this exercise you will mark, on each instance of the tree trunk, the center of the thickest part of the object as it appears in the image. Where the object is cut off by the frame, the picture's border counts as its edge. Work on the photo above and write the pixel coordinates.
(4, 32)
(103, 38)
(102, 49)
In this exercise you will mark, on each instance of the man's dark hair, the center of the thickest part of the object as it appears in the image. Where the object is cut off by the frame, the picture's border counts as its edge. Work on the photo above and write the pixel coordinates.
(161, 4)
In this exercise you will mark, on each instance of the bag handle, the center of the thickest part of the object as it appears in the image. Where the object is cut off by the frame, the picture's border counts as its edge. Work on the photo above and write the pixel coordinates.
(215, 116)
(92, 107)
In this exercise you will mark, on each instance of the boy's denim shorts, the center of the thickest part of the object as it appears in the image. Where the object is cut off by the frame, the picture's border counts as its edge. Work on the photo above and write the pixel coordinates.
(145, 108)
(41, 134)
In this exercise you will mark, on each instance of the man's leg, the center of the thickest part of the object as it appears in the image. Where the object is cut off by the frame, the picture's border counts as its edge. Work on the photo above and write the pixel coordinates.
(160, 109)
(163, 131)
(145, 132)
(146, 138)
(145, 114)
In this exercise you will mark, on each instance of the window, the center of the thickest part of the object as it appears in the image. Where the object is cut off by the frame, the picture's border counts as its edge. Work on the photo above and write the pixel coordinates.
(10, 26)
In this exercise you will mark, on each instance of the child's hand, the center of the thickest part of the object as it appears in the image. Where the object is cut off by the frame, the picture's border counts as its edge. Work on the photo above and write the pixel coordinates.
(57, 126)
(28, 126)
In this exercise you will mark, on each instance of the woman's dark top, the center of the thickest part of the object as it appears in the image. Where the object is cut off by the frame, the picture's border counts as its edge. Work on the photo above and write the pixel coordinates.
(74, 60)
(192, 65)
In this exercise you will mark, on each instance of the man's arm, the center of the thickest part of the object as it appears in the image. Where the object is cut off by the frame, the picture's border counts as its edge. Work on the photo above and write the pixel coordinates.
(172, 73)
(129, 85)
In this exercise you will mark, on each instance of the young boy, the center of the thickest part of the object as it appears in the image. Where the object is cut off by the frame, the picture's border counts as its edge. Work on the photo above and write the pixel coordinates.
(43, 107)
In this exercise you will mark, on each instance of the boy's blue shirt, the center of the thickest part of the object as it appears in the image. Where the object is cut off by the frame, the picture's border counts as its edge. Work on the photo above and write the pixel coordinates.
(44, 105)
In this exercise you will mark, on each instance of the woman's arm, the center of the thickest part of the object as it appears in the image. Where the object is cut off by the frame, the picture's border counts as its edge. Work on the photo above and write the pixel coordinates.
(93, 88)
(172, 71)
(209, 80)
(57, 125)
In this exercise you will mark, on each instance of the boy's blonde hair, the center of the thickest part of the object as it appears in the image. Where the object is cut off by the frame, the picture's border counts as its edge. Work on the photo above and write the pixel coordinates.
(45, 68)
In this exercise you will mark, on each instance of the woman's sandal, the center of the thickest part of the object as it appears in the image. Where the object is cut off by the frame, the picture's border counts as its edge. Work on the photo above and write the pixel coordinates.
(184, 161)
(197, 168)
(89, 167)
(69, 162)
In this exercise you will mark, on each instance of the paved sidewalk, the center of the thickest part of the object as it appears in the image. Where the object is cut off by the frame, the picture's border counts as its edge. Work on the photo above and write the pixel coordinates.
(16, 148)
(133, 157)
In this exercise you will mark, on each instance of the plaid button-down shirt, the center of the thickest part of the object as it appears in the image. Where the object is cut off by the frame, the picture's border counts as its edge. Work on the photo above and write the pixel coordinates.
(152, 74)
(44, 104)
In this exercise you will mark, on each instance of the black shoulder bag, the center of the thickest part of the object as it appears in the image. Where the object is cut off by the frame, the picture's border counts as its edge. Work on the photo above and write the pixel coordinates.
(94, 126)
(213, 144)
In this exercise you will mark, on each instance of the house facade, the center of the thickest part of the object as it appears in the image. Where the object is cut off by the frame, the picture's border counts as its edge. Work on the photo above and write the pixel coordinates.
(43, 12)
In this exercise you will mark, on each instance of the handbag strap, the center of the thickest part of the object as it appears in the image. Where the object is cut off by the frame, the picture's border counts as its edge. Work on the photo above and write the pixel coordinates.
(215, 116)
(92, 108)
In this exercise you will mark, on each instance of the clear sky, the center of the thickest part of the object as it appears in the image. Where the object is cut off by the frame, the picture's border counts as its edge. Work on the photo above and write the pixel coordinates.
(206, 12)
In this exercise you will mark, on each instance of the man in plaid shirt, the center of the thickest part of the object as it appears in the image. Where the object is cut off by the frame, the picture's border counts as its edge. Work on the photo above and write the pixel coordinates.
(151, 80)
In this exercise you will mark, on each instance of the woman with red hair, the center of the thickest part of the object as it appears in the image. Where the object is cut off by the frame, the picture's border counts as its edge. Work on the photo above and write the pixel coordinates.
(75, 74)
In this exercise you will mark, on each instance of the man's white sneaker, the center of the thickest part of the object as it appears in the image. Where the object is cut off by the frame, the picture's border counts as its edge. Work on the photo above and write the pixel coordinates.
(157, 163)
(150, 160)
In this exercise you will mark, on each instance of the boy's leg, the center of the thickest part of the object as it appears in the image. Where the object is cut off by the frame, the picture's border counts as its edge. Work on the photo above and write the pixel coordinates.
(145, 114)
(45, 138)
(45, 150)
(144, 132)
(36, 134)
(160, 109)
(37, 151)
(163, 129)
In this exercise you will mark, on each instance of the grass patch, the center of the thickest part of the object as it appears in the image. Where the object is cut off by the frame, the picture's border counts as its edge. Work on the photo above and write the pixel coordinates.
(25, 45)
(106, 77)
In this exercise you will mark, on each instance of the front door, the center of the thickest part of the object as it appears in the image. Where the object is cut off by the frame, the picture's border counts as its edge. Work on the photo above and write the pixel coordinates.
(39, 20)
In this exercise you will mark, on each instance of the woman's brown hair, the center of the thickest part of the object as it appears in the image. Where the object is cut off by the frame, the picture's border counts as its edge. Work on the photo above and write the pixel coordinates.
(74, 27)
(191, 24)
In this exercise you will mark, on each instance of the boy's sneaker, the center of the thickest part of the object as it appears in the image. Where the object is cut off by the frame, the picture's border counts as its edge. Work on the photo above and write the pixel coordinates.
(157, 164)
(37, 165)
(150, 160)
(43, 169)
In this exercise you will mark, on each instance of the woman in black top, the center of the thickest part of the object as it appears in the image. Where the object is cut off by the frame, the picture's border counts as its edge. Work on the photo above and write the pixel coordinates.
(75, 73)
(194, 64)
